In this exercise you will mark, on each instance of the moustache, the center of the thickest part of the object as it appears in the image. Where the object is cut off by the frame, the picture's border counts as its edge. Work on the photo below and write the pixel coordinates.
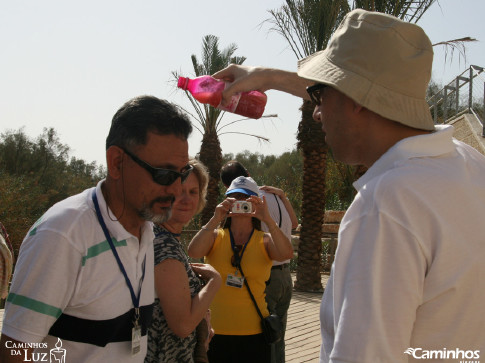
(168, 198)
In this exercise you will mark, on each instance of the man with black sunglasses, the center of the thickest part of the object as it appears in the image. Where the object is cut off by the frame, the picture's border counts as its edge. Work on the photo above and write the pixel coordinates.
(84, 277)
(408, 278)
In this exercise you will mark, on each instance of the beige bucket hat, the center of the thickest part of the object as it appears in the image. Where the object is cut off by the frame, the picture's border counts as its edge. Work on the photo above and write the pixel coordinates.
(381, 62)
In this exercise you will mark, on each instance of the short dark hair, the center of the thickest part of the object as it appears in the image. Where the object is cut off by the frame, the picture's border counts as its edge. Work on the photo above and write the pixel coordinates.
(231, 170)
(143, 114)
(255, 222)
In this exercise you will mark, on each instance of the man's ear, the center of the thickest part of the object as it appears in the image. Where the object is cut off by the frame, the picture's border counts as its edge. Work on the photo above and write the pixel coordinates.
(114, 159)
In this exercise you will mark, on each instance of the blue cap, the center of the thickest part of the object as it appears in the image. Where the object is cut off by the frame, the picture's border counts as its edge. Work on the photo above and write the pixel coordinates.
(245, 185)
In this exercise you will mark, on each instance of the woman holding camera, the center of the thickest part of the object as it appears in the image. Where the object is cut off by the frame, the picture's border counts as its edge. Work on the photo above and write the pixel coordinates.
(237, 325)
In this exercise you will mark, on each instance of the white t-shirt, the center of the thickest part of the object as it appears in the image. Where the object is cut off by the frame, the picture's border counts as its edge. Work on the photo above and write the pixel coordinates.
(409, 270)
(273, 201)
(66, 266)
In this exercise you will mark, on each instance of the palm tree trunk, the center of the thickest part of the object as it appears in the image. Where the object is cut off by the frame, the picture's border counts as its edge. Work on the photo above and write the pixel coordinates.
(311, 141)
(211, 155)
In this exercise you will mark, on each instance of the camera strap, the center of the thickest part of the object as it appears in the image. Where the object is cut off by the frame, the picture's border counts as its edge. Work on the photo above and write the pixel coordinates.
(279, 209)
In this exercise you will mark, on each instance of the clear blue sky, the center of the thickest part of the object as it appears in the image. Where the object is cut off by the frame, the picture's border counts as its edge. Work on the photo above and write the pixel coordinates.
(71, 65)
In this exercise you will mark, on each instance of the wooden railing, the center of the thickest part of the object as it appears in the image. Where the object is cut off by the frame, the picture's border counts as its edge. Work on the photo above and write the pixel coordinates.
(330, 227)
(464, 94)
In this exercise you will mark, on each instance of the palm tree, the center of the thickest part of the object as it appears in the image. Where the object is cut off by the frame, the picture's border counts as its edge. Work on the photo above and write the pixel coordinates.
(210, 118)
(408, 10)
(307, 25)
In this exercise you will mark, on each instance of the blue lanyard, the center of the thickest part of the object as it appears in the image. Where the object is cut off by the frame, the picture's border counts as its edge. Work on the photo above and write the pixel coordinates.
(135, 299)
(238, 257)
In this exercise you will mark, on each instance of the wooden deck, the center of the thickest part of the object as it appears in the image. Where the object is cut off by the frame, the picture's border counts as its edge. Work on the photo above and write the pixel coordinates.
(303, 329)
(302, 337)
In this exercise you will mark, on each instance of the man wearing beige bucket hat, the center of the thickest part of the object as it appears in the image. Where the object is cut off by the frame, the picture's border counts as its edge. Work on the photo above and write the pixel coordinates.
(408, 280)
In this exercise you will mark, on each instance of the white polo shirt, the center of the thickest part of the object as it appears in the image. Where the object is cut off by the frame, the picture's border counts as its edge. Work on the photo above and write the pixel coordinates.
(280, 215)
(409, 270)
(67, 270)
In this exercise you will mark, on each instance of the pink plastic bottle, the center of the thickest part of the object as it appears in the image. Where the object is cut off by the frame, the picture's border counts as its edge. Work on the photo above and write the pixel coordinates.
(206, 89)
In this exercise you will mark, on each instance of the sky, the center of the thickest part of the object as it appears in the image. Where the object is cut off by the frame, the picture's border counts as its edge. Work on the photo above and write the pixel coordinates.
(71, 65)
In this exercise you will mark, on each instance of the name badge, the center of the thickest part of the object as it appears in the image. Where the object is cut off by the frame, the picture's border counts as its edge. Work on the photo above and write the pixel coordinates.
(235, 281)
(135, 339)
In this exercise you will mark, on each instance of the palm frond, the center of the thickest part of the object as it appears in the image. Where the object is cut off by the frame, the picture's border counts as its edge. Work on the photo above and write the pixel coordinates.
(237, 60)
(197, 106)
(191, 115)
(228, 52)
(455, 45)
(213, 59)
(198, 68)
(245, 119)
(259, 137)
(307, 24)
(408, 10)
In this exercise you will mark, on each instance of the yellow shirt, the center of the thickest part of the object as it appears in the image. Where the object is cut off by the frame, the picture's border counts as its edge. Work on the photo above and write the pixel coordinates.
(232, 310)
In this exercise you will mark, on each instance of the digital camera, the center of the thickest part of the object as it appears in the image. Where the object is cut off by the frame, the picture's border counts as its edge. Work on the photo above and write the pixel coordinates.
(241, 206)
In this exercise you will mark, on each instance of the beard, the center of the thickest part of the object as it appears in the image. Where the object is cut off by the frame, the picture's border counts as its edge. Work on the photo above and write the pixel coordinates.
(146, 211)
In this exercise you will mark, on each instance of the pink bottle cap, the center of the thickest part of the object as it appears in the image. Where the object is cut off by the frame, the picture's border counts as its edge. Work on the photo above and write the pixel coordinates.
(183, 83)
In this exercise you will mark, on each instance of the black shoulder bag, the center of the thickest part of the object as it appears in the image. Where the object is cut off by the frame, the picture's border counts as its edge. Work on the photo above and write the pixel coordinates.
(272, 326)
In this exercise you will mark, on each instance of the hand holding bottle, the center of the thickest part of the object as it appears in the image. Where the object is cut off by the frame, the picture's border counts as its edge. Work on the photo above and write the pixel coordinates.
(206, 89)
(244, 78)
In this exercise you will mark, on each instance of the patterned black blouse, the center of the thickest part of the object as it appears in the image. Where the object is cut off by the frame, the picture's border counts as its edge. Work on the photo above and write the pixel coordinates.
(163, 344)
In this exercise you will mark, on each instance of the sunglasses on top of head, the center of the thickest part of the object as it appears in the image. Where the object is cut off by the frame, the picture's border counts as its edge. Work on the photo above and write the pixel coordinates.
(159, 175)
(238, 249)
(315, 92)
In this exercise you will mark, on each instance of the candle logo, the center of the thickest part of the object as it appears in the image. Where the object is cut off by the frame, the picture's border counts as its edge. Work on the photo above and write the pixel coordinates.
(58, 354)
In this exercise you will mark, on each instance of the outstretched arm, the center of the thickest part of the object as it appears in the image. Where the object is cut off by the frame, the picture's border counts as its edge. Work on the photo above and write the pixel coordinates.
(289, 208)
(246, 78)
(202, 242)
(277, 245)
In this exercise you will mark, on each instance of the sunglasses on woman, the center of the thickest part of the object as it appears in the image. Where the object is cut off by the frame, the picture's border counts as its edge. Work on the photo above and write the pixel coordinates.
(159, 175)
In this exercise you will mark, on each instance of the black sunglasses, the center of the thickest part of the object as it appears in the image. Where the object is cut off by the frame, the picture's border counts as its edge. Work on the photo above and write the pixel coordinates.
(316, 92)
(237, 249)
(159, 175)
